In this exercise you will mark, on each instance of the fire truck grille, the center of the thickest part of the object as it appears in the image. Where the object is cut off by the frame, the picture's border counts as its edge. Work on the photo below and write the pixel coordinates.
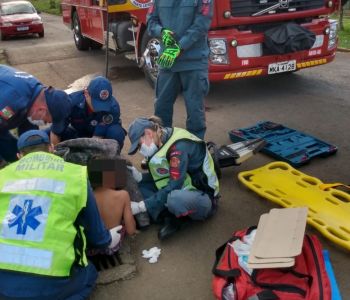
(246, 8)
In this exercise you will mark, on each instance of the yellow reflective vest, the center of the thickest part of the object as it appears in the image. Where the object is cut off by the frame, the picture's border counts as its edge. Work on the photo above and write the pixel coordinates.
(159, 165)
(41, 196)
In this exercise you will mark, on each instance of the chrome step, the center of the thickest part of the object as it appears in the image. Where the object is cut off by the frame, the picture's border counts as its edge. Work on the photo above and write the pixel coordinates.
(111, 41)
(131, 43)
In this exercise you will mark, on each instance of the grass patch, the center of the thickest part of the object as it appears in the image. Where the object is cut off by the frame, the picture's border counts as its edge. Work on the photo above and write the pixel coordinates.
(344, 35)
(48, 6)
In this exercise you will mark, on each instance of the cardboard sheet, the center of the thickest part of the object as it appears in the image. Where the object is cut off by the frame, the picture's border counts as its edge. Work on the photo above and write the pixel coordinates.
(274, 262)
(282, 233)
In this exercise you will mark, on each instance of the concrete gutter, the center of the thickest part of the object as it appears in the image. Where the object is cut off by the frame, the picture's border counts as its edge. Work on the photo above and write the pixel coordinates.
(343, 50)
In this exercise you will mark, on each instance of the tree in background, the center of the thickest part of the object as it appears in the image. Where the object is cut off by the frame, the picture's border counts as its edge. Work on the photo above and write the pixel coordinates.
(341, 14)
(52, 4)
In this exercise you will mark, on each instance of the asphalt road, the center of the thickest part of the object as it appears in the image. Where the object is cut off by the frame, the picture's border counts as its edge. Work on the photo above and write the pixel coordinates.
(315, 101)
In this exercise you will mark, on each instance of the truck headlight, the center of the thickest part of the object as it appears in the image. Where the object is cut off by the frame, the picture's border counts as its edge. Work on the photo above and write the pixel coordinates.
(217, 46)
(7, 24)
(333, 33)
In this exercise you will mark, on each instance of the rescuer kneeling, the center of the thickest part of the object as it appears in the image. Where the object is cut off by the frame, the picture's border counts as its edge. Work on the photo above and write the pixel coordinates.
(49, 216)
(181, 184)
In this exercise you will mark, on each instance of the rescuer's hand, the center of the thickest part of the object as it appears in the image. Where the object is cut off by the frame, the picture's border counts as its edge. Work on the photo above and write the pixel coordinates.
(135, 173)
(168, 57)
(168, 38)
(116, 236)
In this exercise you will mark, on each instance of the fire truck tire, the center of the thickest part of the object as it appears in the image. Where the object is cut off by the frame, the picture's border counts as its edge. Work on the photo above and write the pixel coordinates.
(3, 37)
(81, 42)
(153, 45)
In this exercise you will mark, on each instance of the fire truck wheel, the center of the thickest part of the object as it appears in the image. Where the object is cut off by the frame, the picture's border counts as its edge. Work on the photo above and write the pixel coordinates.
(2, 36)
(81, 42)
(150, 48)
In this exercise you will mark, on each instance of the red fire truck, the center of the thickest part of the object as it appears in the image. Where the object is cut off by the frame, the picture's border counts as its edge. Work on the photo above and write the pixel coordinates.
(236, 37)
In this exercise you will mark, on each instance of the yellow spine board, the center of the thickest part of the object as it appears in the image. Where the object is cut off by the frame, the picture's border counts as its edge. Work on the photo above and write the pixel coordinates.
(329, 209)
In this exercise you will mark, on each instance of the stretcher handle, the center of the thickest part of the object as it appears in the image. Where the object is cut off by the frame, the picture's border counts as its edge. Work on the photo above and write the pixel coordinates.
(325, 186)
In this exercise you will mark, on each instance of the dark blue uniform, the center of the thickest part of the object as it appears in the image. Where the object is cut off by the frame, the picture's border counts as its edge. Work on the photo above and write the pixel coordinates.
(85, 123)
(18, 90)
(190, 21)
(16, 285)
(185, 157)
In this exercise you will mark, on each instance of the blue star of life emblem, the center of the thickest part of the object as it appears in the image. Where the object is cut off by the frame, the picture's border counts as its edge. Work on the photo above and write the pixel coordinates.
(25, 216)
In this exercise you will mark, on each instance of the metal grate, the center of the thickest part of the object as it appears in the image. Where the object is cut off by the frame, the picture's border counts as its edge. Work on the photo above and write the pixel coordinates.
(245, 8)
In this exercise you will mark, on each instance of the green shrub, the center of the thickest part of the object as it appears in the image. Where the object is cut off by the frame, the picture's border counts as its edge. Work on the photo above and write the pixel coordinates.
(344, 35)
(48, 6)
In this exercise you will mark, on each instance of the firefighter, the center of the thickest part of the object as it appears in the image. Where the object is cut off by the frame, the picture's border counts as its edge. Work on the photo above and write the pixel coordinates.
(182, 25)
(47, 211)
(95, 113)
(181, 183)
(26, 103)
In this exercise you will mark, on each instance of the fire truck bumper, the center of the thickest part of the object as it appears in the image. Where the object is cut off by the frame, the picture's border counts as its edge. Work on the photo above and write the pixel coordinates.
(216, 75)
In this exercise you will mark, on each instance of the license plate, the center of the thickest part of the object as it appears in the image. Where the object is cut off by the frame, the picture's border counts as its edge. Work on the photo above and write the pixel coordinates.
(284, 66)
(22, 28)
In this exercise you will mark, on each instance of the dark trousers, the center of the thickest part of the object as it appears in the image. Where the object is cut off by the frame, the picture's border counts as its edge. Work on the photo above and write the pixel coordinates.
(194, 86)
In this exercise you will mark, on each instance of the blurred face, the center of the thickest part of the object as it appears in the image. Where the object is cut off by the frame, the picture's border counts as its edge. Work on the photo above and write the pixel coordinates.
(39, 115)
(147, 138)
(149, 143)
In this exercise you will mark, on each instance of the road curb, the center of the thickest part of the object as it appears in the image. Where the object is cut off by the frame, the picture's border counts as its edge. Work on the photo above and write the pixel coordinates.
(343, 50)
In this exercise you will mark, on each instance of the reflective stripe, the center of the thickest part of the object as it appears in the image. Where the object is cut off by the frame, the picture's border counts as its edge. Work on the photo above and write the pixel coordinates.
(213, 181)
(24, 256)
(39, 184)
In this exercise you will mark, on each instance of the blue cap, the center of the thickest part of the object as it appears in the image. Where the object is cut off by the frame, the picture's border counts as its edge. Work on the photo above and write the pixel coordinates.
(59, 105)
(32, 138)
(136, 131)
(100, 90)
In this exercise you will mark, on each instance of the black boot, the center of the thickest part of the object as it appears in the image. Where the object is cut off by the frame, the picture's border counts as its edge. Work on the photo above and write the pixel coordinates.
(172, 225)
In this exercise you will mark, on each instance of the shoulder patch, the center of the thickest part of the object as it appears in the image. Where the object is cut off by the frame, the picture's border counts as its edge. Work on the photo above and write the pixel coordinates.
(104, 95)
(93, 123)
(7, 113)
(107, 119)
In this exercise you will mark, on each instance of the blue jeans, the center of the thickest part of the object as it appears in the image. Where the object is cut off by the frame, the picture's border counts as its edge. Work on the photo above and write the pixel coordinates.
(194, 204)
